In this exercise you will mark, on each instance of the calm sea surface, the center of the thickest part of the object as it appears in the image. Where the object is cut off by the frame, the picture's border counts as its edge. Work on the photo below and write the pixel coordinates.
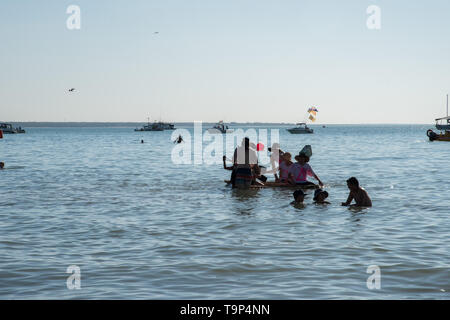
(140, 227)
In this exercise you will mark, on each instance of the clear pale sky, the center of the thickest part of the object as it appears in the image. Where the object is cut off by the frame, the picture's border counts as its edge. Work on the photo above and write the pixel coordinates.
(236, 60)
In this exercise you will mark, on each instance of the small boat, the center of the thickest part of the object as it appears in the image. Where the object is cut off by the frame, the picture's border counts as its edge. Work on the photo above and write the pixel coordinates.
(9, 129)
(442, 124)
(156, 126)
(300, 129)
(220, 127)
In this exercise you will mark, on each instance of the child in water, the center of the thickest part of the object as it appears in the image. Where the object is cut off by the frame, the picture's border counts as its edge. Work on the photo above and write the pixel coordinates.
(285, 165)
(320, 196)
(299, 171)
(358, 194)
(299, 196)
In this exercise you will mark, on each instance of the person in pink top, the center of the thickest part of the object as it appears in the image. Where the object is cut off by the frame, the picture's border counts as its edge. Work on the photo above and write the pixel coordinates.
(299, 171)
(285, 165)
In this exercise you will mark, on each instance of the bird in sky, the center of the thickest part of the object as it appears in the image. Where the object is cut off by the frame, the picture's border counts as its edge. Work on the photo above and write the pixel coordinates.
(71, 89)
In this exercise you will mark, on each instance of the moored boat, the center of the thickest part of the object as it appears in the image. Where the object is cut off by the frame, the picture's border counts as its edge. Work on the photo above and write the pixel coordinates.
(300, 129)
(156, 126)
(442, 136)
(442, 124)
(7, 128)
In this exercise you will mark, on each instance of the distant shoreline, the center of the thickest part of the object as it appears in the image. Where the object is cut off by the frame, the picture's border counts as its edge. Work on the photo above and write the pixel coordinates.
(36, 124)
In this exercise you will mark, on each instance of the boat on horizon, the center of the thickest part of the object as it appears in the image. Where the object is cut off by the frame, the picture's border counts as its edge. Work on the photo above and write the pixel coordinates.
(220, 127)
(442, 124)
(301, 128)
(156, 126)
(9, 129)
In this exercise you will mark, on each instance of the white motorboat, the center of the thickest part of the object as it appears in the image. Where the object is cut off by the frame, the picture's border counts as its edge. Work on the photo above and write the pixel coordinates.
(8, 128)
(301, 128)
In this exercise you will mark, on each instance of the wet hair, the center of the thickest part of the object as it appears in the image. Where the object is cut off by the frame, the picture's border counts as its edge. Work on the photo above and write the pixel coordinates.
(298, 193)
(353, 181)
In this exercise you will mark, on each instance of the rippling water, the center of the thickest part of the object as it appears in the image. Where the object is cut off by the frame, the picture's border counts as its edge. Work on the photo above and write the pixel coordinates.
(140, 227)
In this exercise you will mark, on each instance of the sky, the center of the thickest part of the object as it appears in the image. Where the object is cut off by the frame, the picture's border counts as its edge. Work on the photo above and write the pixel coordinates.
(233, 60)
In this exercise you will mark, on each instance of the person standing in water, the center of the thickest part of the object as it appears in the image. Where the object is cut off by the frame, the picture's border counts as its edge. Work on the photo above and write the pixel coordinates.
(358, 194)
(245, 164)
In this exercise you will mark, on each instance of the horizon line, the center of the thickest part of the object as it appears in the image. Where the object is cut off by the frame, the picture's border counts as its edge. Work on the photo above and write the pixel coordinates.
(234, 122)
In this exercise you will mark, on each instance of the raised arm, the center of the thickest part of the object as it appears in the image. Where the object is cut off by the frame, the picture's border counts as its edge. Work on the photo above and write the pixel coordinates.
(225, 164)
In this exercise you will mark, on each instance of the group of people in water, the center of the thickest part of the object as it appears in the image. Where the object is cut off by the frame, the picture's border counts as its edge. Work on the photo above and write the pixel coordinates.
(247, 172)
(357, 193)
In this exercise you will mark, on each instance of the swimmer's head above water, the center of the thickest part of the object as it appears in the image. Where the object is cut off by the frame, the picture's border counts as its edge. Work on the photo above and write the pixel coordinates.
(2, 165)
(299, 196)
(320, 196)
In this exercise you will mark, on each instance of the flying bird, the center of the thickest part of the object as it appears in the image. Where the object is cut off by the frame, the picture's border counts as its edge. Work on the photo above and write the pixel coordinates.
(71, 89)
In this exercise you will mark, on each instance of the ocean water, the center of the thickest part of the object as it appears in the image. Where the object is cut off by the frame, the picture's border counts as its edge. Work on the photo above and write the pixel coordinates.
(141, 227)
